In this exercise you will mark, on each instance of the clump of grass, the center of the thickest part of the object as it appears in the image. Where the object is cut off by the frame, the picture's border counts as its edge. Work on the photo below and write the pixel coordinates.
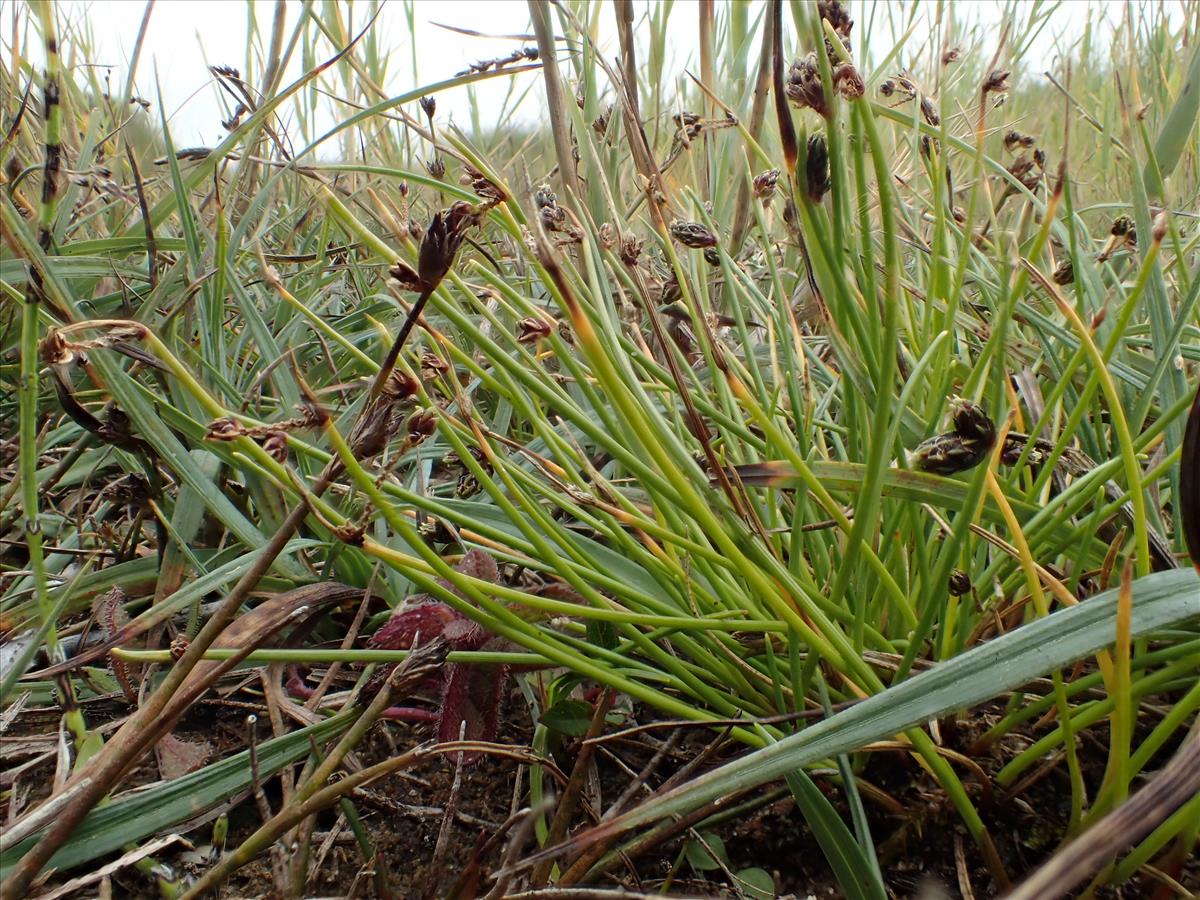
(832, 400)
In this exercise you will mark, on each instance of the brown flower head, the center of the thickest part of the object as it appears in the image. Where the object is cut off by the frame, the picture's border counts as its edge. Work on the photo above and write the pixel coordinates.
(833, 12)
(960, 583)
(442, 239)
(532, 329)
(554, 218)
(224, 430)
(406, 275)
(693, 234)
(971, 421)
(545, 197)
(466, 486)
(276, 444)
(996, 82)
(432, 366)
(803, 86)
(765, 183)
(929, 112)
(419, 426)
(400, 386)
(847, 81)
(965, 447)
(687, 123)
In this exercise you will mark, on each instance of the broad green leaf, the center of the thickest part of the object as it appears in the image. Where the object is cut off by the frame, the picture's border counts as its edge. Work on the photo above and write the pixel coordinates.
(707, 858)
(139, 814)
(756, 883)
(1160, 601)
(1174, 135)
(570, 717)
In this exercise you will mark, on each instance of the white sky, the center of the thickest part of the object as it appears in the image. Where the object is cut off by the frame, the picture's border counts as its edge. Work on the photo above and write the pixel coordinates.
(186, 35)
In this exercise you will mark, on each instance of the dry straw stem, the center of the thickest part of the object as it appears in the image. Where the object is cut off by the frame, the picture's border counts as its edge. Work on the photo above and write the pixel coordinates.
(317, 793)
(556, 99)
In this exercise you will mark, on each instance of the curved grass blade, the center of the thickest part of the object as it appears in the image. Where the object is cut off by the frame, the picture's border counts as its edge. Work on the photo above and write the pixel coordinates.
(1172, 140)
(1161, 600)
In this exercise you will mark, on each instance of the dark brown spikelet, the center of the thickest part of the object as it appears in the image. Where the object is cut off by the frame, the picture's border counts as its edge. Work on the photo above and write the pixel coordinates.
(833, 12)
(1189, 482)
(490, 192)
(847, 81)
(960, 583)
(965, 447)
(948, 454)
(996, 82)
(276, 444)
(952, 55)
(929, 111)
(442, 240)
(1064, 273)
(545, 197)
(631, 249)
(532, 329)
(420, 425)
(803, 86)
(406, 275)
(693, 234)
(1121, 226)
(972, 423)
(1121, 235)
(433, 366)
(816, 167)
(373, 432)
(224, 430)
(764, 184)
(400, 387)
(1023, 170)
(429, 106)
(688, 123)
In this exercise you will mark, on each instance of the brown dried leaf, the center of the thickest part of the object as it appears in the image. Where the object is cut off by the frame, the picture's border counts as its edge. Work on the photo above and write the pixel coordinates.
(177, 757)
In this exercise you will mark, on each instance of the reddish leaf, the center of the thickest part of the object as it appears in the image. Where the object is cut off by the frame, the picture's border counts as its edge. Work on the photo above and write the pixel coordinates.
(472, 694)
(416, 624)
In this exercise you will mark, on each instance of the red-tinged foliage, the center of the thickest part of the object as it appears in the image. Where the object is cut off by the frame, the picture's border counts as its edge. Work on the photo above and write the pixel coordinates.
(471, 693)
